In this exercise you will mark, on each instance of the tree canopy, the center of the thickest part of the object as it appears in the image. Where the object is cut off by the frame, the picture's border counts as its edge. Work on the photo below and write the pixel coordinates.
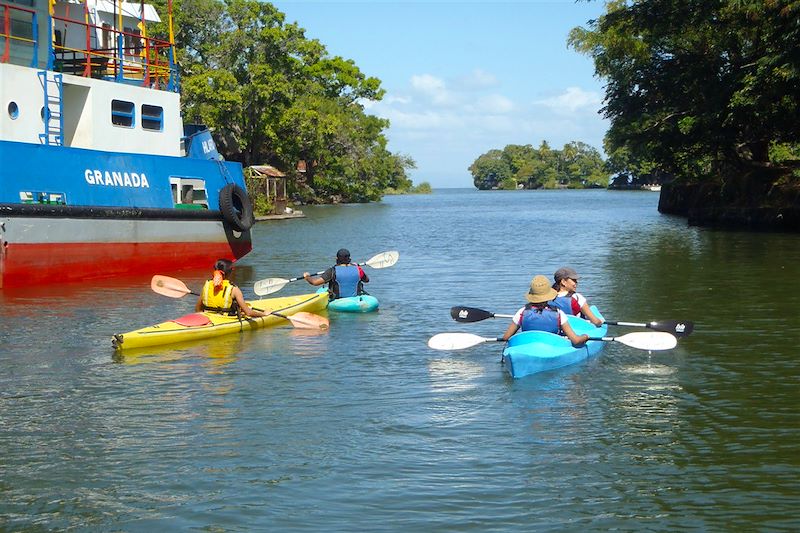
(576, 166)
(273, 96)
(698, 88)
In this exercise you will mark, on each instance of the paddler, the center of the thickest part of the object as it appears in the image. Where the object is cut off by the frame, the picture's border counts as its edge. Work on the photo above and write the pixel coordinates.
(540, 315)
(570, 301)
(344, 279)
(219, 295)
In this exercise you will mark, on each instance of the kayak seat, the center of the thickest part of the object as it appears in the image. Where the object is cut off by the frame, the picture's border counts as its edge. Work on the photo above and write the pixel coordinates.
(193, 320)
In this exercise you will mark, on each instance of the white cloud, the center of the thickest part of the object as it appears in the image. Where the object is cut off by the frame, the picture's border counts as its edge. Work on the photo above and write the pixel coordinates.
(476, 80)
(433, 88)
(494, 104)
(444, 126)
(572, 100)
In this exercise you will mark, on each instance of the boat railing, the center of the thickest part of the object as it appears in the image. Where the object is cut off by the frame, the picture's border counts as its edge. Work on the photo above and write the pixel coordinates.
(19, 34)
(91, 50)
(123, 56)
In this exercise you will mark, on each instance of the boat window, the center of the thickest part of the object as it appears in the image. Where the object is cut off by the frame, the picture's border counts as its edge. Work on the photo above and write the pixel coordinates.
(133, 41)
(107, 42)
(152, 117)
(189, 193)
(13, 110)
(122, 113)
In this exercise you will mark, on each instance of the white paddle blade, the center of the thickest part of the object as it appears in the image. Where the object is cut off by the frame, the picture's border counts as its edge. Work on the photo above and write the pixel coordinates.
(384, 259)
(649, 340)
(456, 341)
(268, 286)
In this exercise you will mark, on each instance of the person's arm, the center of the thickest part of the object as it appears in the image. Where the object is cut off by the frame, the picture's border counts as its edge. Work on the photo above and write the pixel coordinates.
(319, 280)
(576, 340)
(314, 280)
(362, 275)
(245, 307)
(587, 312)
(514, 326)
(510, 330)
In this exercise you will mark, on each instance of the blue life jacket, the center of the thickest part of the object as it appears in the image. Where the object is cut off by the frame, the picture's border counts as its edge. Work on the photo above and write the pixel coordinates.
(536, 319)
(568, 304)
(346, 281)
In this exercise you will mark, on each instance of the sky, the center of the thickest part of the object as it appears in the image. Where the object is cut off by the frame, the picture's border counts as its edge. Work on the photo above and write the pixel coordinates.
(465, 77)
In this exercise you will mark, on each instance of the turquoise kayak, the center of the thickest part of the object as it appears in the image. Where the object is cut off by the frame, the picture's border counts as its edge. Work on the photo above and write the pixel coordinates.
(363, 303)
(531, 352)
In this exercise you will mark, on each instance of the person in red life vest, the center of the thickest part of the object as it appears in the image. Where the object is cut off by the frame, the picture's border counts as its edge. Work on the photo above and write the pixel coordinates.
(344, 279)
(219, 295)
(539, 315)
(570, 301)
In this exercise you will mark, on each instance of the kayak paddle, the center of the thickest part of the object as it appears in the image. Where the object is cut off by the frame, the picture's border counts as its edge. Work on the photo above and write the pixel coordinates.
(679, 328)
(473, 314)
(175, 288)
(646, 340)
(270, 285)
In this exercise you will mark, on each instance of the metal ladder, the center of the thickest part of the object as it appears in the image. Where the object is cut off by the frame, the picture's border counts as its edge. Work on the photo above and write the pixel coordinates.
(52, 89)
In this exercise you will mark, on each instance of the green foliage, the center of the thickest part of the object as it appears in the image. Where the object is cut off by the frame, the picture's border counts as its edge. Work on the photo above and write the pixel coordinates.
(422, 188)
(696, 87)
(508, 184)
(271, 95)
(576, 166)
(261, 204)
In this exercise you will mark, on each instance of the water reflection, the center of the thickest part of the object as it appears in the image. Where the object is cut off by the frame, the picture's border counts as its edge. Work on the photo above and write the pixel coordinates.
(454, 374)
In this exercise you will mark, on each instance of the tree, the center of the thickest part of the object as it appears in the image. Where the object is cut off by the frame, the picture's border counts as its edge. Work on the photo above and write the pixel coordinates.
(578, 165)
(490, 169)
(273, 96)
(697, 87)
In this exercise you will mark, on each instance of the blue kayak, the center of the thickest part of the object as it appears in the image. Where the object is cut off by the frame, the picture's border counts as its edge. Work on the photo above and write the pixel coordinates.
(530, 352)
(363, 303)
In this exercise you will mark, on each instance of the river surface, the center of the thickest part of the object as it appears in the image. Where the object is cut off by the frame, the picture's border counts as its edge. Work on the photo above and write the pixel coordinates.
(365, 428)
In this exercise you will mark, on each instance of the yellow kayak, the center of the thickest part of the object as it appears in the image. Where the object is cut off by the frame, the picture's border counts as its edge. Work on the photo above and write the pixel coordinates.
(204, 325)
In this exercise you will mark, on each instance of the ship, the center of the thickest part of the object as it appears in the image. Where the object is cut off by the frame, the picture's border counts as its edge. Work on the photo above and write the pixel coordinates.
(99, 175)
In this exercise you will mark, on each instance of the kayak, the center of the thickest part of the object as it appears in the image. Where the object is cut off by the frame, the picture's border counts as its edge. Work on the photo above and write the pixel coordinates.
(363, 303)
(531, 352)
(205, 325)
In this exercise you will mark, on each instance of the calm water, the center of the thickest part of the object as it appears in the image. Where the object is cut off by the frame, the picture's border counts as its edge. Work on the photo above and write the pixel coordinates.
(365, 428)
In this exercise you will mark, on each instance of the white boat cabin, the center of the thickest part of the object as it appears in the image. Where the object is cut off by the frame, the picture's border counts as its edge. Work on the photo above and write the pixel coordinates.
(87, 76)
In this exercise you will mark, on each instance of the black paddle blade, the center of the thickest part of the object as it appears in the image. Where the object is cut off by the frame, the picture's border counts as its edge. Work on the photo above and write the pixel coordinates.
(679, 328)
(469, 314)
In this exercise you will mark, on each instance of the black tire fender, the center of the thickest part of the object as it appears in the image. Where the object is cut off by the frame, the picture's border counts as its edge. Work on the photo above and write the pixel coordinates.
(236, 207)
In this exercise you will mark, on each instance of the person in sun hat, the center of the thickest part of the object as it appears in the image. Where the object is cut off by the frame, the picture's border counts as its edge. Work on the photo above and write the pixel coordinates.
(539, 315)
(219, 295)
(568, 299)
(344, 279)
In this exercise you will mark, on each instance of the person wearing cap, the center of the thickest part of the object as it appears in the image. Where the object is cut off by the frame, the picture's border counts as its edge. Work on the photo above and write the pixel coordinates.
(539, 315)
(344, 279)
(219, 295)
(570, 301)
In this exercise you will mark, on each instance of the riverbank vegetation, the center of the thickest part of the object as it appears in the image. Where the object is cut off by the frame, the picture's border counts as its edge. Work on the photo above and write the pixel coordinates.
(273, 96)
(703, 93)
(576, 166)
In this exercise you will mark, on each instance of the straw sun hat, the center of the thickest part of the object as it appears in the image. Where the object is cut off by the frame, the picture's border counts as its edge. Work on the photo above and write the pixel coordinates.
(540, 290)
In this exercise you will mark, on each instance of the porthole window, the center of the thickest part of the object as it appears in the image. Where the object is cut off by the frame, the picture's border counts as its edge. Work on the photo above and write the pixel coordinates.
(13, 110)
(152, 117)
(42, 112)
(122, 113)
